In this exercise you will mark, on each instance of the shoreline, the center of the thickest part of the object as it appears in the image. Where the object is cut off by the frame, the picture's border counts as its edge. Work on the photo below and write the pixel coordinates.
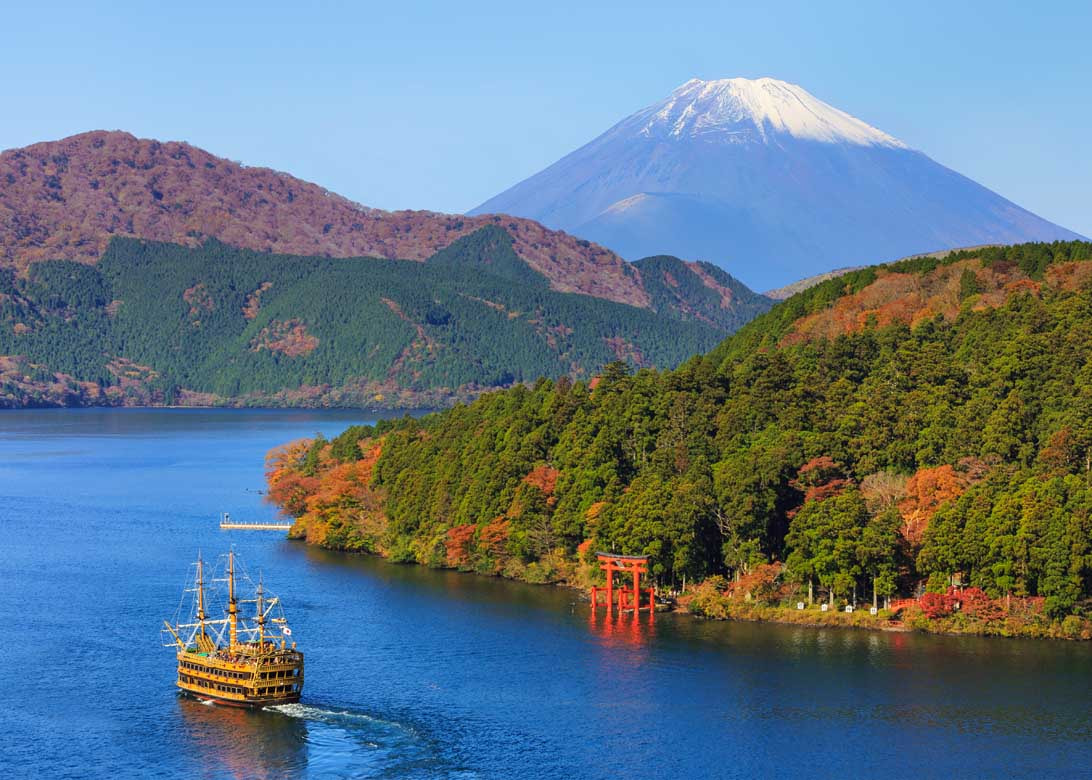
(744, 612)
(217, 407)
(225, 406)
(890, 628)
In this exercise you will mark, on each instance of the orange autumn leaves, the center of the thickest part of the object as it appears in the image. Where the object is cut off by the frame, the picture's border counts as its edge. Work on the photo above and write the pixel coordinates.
(545, 479)
(336, 506)
(486, 546)
(327, 497)
(925, 493)
(918, 497)
(288, 487)
(911, 298)
(489, 540)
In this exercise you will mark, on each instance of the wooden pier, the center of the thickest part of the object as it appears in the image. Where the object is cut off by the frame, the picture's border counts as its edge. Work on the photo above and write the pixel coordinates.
(227, 524)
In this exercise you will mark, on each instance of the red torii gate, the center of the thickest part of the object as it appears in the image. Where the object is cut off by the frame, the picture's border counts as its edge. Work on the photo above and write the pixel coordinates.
(627, 598)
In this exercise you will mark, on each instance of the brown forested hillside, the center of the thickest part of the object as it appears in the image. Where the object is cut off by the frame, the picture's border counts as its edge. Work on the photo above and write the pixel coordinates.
(65, 199)
(83, 199)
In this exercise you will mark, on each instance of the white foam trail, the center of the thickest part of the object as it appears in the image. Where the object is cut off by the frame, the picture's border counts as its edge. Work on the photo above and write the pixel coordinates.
(308, 712)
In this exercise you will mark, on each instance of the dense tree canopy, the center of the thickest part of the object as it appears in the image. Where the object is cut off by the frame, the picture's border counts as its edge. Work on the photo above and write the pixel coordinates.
(231, 322)
(950, 448)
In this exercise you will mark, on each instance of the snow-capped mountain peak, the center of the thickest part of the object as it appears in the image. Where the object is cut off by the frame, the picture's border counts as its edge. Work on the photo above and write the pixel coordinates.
(743, 110)
(767, 181)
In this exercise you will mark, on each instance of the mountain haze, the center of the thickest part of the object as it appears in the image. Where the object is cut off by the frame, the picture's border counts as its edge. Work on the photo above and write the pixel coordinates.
(767, 181)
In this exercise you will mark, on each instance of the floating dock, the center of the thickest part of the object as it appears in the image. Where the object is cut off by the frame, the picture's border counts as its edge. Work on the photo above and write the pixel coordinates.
(227, 524)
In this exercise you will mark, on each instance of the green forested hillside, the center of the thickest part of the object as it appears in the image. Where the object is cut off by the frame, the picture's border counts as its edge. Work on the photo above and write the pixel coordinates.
(917, 425)
(166, 322)
(699, 291)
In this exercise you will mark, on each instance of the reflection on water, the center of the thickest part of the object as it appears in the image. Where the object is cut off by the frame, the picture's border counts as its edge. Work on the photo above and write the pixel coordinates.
(419, 673)
(619, 629)
(234, 742)
(301, 740)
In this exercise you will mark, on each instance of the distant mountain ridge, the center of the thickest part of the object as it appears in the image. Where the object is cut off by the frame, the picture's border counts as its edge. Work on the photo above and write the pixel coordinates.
(789, 290)
(136, 272)
(762, 178)
(155, 323)
(64, 200)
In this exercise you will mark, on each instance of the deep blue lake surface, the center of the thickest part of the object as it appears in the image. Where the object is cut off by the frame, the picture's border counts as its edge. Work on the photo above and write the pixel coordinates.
(419, 673)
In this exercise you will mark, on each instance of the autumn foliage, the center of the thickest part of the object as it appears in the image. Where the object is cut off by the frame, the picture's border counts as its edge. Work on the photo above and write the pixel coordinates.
(288, 487)
(493, 538)
(912, 298)
(977, 604)
(937, 605)
(926, 491)
(820, 478)
(289, 337)
(68, 198)
(762, 582)
(332, 501)
(457, 545)
(544, 478)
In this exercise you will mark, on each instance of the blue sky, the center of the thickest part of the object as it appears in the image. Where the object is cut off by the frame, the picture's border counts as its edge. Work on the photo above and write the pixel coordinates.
(440, 105)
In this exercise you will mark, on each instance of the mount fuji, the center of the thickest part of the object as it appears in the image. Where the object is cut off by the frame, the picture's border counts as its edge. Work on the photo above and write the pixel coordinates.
(767, 181)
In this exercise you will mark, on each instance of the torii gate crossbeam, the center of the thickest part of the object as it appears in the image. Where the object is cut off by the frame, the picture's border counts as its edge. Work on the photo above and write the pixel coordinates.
(628, 598)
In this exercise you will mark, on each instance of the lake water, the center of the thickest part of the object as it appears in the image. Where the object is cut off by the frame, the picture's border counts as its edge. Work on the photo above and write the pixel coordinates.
(419, 673)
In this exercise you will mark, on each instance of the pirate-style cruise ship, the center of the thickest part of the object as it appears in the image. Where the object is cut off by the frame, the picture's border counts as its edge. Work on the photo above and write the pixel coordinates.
(242, 659)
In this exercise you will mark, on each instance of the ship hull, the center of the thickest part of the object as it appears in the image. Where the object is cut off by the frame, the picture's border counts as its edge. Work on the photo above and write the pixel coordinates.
(242, 705)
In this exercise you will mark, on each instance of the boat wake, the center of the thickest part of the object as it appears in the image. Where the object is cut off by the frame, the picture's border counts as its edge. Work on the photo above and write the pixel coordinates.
(339, 717)
(339, 739)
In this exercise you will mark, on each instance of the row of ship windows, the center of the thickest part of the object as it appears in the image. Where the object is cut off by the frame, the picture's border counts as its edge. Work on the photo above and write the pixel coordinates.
(212, 686)
(276, 689)
(214, 670)
(280, 675)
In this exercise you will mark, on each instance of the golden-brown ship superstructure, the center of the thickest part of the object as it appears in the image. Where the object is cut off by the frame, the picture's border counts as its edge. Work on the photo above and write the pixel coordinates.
(253, 665)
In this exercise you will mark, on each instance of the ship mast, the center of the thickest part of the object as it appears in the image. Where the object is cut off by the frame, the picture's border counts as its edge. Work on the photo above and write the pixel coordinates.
(233, 619)
(261, 616)
(200, 598)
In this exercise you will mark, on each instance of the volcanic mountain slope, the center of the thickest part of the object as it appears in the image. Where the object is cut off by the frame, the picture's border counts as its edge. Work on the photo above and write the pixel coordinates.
(762, 178)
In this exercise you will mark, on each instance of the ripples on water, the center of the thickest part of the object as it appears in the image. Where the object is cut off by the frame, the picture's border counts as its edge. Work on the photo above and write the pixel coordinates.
(305, 739)
(425, 674)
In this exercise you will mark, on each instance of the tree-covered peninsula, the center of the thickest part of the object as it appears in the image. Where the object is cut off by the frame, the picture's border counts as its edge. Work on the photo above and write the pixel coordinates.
(920, 430)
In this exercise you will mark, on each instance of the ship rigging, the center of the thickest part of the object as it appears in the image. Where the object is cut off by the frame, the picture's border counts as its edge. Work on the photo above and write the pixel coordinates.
(243, 658)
